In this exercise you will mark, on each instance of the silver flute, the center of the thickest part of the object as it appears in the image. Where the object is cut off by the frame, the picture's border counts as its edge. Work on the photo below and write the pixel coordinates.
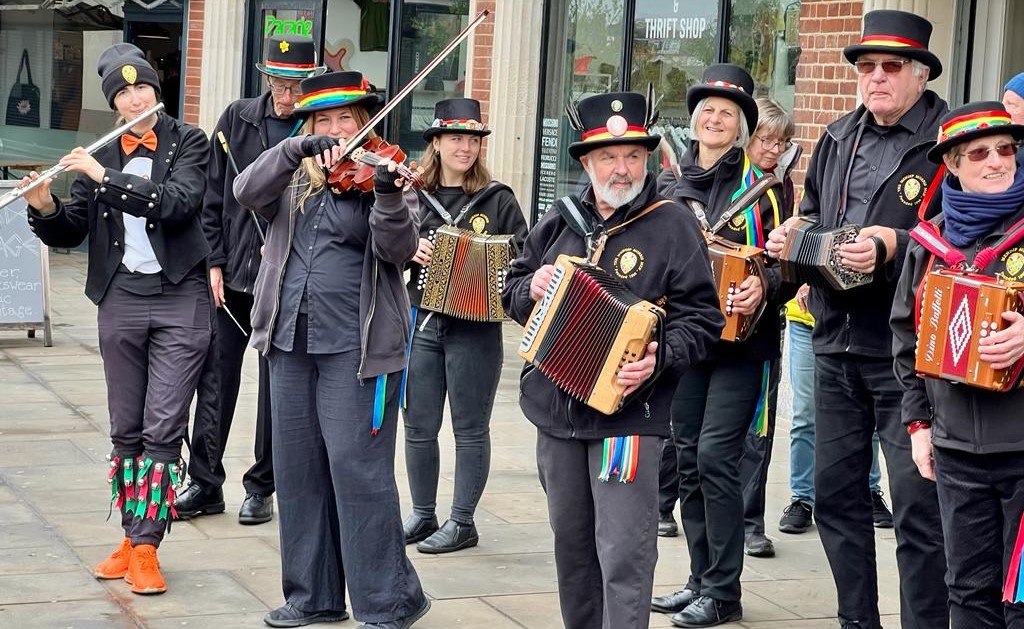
(51, 172)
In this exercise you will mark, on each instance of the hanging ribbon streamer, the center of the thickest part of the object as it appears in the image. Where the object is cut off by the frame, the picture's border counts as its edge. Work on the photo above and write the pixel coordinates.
(1013, 590)
(408, 351)
(760, 421)
(620, 458)
(378, 403)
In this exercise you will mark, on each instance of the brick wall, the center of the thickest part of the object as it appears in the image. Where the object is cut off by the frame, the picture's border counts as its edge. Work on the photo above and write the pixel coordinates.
(193, 60)
(482, 51)
(826, 83)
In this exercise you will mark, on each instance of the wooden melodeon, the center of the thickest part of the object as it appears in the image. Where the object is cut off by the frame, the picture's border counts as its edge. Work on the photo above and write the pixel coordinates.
(732, 263)
(585, 329)
(955, 311)
(810, 256)
(466, 274)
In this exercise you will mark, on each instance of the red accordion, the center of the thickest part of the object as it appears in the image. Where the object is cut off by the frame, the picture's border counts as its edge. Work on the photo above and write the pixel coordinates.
(955, 310)
(731, 264)
(585, 329)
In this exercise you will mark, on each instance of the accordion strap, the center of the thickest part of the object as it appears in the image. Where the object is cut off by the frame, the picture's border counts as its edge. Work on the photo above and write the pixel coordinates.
(482, 194)
(739, 204)
(594, 235)
(600, 241)
(927, 233)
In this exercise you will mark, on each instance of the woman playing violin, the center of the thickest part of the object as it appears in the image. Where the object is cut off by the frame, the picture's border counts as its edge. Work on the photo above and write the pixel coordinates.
(332, 316)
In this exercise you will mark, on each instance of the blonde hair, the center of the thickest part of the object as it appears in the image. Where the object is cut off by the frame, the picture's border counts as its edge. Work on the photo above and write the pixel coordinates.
(772, 118)
(475, 179)
(309, 173)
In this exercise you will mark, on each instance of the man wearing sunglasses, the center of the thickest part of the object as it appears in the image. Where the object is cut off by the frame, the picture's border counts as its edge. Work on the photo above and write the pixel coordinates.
(249, 127)
(870, 168)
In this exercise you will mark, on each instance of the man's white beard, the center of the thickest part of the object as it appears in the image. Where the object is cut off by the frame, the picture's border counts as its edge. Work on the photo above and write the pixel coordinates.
(613, 196)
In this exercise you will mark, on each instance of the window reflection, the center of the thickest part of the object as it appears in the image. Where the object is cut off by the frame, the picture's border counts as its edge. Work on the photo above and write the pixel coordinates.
(762, 39)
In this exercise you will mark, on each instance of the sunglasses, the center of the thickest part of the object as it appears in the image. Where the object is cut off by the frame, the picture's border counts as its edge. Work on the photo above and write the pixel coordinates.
(891, 66)
(981, 153)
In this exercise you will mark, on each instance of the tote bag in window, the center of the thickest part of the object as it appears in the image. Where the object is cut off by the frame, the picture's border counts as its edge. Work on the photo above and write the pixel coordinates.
(23, 103)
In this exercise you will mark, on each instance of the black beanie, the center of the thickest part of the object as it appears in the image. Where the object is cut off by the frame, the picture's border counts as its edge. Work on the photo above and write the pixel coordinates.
(122, 65)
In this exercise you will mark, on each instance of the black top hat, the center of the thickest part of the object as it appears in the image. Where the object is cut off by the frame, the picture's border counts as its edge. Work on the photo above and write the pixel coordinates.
(610, 119)
(456, 115)
(290, 57)
(728, 81)
(973, 121)
(122, 65)
(337, 89)
(898, 33)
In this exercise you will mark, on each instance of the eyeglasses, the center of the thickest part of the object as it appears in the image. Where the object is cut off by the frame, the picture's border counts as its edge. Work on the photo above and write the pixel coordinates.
(278, 89)
(768, 144)
(980, 154)
(889, 66)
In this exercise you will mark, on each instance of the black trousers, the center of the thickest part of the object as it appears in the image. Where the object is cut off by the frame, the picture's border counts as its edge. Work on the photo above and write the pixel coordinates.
(606, 533)
(217, 396)
(153, 346)
(981, 498)
(711, 412)
(855, 396)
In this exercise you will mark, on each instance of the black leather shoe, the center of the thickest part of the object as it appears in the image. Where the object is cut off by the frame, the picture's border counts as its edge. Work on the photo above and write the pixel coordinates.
(256, 509)
(289, 616)
(707, 612)
(449, 538)
(674, 602)
(403, 623)
(667, 526)
(196, 501)
(417, 529)
(758, 546)
(880, 514)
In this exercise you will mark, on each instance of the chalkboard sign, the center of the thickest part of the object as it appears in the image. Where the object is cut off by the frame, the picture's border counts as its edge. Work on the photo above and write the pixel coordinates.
(24, 272)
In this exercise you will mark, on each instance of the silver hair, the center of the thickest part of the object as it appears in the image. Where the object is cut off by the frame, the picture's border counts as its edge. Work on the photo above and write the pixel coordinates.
(919, 68)
(741, 142)
(774, 119)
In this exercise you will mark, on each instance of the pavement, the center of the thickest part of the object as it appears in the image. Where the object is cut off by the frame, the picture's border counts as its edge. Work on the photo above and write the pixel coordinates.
(222, 575)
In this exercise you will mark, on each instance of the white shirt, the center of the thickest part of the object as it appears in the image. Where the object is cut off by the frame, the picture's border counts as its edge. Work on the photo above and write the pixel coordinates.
(139, 256)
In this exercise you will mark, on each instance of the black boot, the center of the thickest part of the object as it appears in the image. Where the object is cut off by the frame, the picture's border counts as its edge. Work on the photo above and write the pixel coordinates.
(256, 509)
(707, 612)
(195, 500)
(449, 538)
(417, 529)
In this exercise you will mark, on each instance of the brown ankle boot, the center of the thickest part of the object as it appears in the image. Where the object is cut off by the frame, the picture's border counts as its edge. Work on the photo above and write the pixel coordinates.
(144, 571)
(116, 565)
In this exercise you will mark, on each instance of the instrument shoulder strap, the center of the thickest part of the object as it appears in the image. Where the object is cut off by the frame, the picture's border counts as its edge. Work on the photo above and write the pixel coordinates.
(928, 234)
(751, 194)
(487, 191)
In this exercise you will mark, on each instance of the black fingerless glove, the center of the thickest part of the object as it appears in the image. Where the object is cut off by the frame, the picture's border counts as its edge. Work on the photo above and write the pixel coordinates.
(384, 180)
(313, 145)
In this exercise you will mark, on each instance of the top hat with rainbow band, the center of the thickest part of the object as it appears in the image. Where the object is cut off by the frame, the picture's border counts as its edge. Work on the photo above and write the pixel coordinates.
(973, 121)
(611, 119)
(337, 89)
(290, 57)
(899, 33)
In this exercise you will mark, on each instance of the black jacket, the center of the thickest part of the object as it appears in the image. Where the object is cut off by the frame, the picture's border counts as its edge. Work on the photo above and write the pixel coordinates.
(229, 226)
(714, 189)
(498, 213)
(963, 417)
(857, 320)
(671, 263)
(170, 201)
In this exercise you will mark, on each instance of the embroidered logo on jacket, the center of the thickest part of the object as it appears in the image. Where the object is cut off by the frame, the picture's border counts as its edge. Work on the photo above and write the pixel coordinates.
(1013, 264)
(479, 223)
(628, 263)
(911, 188)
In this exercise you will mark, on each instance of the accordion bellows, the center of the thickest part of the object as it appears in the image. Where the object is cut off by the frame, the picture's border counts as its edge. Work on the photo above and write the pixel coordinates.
(466, 274)
(810, 256)
(585, 329)
(955, 311)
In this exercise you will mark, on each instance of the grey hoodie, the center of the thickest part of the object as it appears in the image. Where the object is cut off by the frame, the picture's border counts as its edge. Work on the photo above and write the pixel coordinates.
(272, 185)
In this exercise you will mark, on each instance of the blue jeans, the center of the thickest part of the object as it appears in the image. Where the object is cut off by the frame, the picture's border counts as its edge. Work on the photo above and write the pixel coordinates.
(801, 435)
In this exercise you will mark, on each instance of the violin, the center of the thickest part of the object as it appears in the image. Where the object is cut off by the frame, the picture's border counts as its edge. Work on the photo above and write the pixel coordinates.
(355, 171)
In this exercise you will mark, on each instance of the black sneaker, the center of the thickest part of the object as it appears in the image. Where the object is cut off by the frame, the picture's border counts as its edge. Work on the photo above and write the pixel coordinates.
(880, 511)
(796, 518)
(667, 526)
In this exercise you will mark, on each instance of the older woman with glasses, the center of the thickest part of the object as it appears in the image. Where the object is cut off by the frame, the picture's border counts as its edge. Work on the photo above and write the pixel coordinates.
(967, 439)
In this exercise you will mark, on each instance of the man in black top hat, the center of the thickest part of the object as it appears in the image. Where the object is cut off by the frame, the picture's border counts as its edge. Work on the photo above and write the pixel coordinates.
(249, 126)
(600, 472)
(871, 169)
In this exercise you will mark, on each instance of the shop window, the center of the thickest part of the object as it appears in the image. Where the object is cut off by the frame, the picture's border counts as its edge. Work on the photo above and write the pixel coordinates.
(763, 38)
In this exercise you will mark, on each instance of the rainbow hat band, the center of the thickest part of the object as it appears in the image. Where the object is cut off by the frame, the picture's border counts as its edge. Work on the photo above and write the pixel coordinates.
(337, 89)
(612, 119)
(456, 115)
(973, 121)
(290, 57)
(727, 81)
(897, 33)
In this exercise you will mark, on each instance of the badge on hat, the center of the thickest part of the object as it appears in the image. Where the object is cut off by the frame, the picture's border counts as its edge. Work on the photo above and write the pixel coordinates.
(130, 74)
(284, 46)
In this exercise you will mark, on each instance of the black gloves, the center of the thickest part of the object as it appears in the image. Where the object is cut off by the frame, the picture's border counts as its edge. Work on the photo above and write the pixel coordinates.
(384, 180)
(313, 145)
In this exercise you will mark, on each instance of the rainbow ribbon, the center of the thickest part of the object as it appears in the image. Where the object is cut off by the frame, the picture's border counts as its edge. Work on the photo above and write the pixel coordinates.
(378, 403)
(760, 421)
(404, 403)
(1013, 590)
(620, 458)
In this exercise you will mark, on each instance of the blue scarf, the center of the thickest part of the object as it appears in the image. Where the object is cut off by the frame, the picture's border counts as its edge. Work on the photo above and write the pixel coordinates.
(971, 215)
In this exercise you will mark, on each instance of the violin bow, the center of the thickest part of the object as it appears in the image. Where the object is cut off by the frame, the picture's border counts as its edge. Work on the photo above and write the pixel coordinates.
(357, 139)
